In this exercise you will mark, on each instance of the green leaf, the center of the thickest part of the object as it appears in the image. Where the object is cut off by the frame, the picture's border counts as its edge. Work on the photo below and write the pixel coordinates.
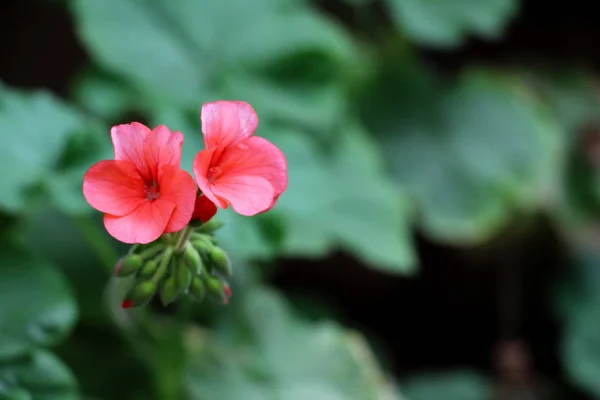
(178, 52)
(581, 310)
(440, 23)
(37, 126)
(470, 155)
(352, 202)
(103, 94)
(38, 375)
(36, 306)
(452, 385)
(84, 148)
(329, 363)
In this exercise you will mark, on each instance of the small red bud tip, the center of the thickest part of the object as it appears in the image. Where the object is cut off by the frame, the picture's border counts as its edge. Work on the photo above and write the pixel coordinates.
(126, 304)
(204, 209)
(227, 291)
(118, 267)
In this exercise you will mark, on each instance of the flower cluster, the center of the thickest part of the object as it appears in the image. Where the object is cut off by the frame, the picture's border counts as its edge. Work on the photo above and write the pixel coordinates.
(148, 200)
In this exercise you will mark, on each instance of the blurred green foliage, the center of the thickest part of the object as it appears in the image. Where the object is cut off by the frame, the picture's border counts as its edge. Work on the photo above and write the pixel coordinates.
(378, 146)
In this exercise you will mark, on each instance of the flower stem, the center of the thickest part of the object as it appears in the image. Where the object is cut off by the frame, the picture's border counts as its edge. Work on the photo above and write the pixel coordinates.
(164, 264)
(183, 237)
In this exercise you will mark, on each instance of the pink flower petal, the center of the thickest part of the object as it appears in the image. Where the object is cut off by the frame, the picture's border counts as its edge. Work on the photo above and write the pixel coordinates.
(114, 187)
(247, 195)
(256, 156)
(144, 225)
(178, 187)
(162, 147)
(225, 123)
(202, 163)
(128, 140)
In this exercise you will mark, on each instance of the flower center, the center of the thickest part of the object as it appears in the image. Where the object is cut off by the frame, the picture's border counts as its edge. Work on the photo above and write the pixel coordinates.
(213, 174)
(152, 191)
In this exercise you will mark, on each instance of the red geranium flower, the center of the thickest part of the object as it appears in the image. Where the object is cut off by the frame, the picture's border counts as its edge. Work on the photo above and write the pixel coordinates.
(142, 192)
(236, 168)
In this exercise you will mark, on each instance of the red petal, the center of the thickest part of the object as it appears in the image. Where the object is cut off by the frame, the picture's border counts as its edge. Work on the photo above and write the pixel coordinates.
(128, 140)
(126, 304)
(162, 147)
(202, 163)
(225, 123)
(178, 187)
(144, 225)
(256, 156)
(114, 187)
(247, 195)
(204, 209)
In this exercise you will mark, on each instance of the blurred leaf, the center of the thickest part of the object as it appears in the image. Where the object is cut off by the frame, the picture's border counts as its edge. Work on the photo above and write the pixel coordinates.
(103, 94)
(372, 218)
(452, 385)
(343, 200)
(581, 310)
(36, 306)
(328, 362)
(35, 128)
(469, 155)
(177, 53)
(441, 23)
(314, 106)
(572, 94)
(84, 148)
(38, 375)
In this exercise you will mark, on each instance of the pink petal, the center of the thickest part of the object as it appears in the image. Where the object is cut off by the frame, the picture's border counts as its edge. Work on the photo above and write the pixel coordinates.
(178, 187)
(225, 123)
(128, 140)
(256, 156)
(247, 195)
(162, 147)
(144, 225)
(114, 187)
(202, 163)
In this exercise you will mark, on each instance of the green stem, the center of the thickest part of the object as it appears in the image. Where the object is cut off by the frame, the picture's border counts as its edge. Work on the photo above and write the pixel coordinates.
(183, 238)
(164, 264)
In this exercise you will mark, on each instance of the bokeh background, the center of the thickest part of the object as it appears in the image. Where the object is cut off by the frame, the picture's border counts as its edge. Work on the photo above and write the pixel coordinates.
(438, 239)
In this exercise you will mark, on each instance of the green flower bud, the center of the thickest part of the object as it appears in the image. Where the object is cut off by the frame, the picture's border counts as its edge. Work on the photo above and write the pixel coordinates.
(211, 226)
(217, 289)
(202, 240)
(168, 290)
(129, 265)
(149, 269)
(220, 261)
(183, 275)
(197, 288)
(192, 258)
(140, 294)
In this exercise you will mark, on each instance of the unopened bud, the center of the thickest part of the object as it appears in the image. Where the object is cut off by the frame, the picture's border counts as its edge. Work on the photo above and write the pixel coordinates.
(184, 275)
(168, 290)
(217, 289)
(220, 261)
(140, 294)
(118, 267)
(149, 269)
(192, 258)
(129, 265)
(211, 226)
(197, 288)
